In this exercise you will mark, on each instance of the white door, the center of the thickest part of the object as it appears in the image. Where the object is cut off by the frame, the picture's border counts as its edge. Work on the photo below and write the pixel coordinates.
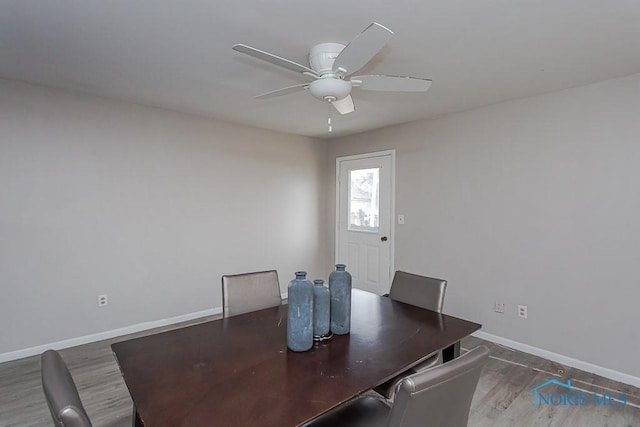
(364, 219)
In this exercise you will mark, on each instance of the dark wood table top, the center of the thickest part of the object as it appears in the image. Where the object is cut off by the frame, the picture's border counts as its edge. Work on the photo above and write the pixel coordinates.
(238, 372)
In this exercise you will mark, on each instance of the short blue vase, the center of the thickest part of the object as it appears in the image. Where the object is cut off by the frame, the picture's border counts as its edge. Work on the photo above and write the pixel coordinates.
(321, 310)
(300, 313)
(340, 288)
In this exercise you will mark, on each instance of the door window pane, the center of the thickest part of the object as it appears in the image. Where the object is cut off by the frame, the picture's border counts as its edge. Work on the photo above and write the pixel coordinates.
(364, 196)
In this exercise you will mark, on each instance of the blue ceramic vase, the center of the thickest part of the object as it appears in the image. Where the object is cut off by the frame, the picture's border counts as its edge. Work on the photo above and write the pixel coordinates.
(340, 288)
(300, 313)
(321, 313)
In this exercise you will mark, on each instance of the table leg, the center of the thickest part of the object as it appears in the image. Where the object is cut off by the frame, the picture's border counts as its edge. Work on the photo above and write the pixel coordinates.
(451, 352)
(137, 421)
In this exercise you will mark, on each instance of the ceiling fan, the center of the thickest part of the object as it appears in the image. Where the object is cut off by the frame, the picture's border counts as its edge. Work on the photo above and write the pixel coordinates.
(332, 65)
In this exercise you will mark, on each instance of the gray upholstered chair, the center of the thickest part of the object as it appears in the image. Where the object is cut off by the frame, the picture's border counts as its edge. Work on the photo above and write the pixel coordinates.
(61, 393)
(440, 397)
(423, 292)
(242, 293)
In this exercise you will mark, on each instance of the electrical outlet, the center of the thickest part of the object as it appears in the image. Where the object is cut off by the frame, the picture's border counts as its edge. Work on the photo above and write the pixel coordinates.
(103, 300)
(522, 311)
(499, 307)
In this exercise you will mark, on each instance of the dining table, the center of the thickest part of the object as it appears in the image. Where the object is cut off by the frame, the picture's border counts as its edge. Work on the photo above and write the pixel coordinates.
(237, 371)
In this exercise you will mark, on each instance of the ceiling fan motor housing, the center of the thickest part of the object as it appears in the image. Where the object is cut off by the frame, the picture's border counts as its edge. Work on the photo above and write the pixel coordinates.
(328, 87)
(323, 55)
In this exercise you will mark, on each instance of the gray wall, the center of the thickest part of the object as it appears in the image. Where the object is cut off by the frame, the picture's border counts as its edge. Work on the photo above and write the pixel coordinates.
(533, 202)
(148, 206)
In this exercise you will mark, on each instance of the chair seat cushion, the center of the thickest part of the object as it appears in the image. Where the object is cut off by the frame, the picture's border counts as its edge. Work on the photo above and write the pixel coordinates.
(365, 411)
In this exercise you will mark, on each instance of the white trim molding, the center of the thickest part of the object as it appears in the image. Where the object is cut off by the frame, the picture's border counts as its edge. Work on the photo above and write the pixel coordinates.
(564, 360)
(72, 342)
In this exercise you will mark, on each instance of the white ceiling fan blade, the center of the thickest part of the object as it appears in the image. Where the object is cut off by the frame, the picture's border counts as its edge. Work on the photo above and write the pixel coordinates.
(362, 49)
(274, 59)
(391, 83)
(344, 105)
(283, 91)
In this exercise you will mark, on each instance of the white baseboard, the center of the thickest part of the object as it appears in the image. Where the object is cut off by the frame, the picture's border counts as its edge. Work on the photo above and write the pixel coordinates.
(564, 360)
(72, 342)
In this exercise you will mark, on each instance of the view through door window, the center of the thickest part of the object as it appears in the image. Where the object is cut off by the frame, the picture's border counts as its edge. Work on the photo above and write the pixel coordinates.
(364, 196)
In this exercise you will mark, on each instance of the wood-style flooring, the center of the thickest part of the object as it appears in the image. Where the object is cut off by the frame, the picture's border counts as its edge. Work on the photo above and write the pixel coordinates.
(503, 397)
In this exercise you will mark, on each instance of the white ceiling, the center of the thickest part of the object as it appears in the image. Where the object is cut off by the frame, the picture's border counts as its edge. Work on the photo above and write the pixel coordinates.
(177, 54)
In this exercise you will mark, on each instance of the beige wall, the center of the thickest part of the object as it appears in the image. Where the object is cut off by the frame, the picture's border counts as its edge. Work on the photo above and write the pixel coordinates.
(533, 202)
(148, 206)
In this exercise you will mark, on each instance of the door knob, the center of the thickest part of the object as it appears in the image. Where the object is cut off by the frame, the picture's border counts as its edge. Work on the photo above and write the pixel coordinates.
(383, 238)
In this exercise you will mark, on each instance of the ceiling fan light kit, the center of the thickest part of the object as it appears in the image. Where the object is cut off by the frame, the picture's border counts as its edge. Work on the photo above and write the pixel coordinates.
(330, 89)
(332, 65)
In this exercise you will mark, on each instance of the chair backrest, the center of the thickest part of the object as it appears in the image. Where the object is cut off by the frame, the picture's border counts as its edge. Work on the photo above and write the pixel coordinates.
(242, 293)
(421, 291)
(61, 392)
(440, 396)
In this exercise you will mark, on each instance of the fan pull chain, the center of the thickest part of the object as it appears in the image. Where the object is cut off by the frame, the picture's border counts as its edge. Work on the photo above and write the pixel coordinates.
(329, 118)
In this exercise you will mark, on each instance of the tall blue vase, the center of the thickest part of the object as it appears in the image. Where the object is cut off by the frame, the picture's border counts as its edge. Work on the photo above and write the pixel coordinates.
(321, 313)
(300, 313)
(340, 288)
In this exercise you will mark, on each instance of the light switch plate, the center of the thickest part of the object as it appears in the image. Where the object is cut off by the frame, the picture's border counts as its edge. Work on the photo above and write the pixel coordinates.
(400, 219)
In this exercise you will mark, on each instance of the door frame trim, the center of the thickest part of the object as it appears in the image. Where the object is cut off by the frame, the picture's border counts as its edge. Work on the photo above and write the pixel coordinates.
(392, 231)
